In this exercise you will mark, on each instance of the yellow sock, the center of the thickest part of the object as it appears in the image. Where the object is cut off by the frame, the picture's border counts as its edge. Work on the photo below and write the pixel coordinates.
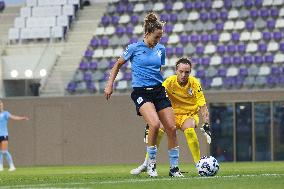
(193, 143)
(159, 139)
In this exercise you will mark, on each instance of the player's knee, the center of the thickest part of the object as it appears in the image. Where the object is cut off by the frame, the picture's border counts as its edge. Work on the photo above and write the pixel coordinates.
(155, 125)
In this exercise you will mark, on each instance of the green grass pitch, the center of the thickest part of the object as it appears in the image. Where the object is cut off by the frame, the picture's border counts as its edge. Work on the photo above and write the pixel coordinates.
(249, 175)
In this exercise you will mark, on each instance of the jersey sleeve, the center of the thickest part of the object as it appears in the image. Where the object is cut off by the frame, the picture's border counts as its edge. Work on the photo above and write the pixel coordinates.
(198, 93)
(128, 52)
(7, 115)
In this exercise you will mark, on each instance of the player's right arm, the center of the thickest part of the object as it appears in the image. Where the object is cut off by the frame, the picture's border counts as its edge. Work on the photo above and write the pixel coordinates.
(18, 118)
(127, 54)
(114, 71)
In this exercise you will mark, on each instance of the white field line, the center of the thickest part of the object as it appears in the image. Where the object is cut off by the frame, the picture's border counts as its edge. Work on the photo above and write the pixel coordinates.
(141, 180)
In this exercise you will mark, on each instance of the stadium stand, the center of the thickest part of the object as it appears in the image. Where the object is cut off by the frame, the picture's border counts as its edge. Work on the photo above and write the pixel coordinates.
(2, 6)
(235, 44)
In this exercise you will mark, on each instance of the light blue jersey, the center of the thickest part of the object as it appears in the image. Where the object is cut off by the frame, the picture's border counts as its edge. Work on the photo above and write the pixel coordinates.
(4, 117)
(145, 63)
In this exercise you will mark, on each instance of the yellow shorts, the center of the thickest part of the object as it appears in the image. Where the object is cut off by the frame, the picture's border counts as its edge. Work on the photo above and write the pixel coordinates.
(180, 119)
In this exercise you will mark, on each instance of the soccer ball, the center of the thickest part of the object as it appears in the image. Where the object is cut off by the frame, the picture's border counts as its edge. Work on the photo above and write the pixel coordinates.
(207, 166)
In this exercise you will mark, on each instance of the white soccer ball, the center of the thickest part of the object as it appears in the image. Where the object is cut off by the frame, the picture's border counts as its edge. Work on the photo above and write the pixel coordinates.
(207, 166)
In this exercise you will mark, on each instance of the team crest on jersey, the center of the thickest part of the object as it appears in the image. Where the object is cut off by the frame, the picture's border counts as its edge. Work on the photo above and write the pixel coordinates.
(159, 53)
(190, 92)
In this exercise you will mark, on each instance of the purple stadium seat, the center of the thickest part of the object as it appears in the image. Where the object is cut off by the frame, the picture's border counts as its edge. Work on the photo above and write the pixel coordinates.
(277, 35)
(83, 65)
(243, 72)
(179, 51)
(214, 37)
(134, 19)
(164, 39)
(262, 47)
(236, 60)
(258, 59)
(248, 3)
(241, 48)
(91, 86)
(207, 4)
(119, 30)
(88, 53)
(219, 26)
(168, 28)
(114, 19)
(120, 8)
(274, 12)
(281, 46)
(199, 49)
(258, 3)
(165, 17)
(173, 17)
(275, 70)
(183, 39)
(111, 64)
(266, 35)
(198, 5)
(213, 15)
(221, 49)
(93, 65)
(104, 42)
(129, 30)
(127, 76)
(195, 60)
(94, 42)
(203, 16)
(168, 6)
(253, 13)
(87, 77)
(271, 80)
(194, 38)
(71, 87)
(133, 40)
(169, 51)
(269, 58)
(228, 4)
(270, 24)
(228, 82)
(200, 73)
(204, 38)
(264, 13)
(249, 25)
(224, 15)
(226, 60)
(188, 5)
(231, 48)
(205, 61)
(130, 8)
(248, 59)
(206, 82)
(105, 20)
(235, 36)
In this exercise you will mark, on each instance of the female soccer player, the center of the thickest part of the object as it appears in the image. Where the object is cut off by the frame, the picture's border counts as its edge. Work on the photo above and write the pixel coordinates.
(148, 94)
(4, 117)
(187, 99)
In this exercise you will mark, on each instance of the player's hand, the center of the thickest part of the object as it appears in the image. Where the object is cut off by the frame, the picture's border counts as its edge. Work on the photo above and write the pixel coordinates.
(205, 129)
(108, 91)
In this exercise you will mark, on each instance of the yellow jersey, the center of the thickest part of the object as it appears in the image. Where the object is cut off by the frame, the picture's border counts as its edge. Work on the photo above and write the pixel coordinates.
(187, 99)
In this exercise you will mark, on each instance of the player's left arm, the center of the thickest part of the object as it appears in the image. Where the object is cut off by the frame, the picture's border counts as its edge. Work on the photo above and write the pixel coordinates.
(18, 118)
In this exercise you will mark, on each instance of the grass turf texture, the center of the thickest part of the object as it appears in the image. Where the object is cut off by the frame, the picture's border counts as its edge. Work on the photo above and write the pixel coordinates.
(231, 175)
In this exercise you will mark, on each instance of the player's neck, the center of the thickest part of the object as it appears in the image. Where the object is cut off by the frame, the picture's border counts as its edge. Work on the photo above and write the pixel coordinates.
(182, 84)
